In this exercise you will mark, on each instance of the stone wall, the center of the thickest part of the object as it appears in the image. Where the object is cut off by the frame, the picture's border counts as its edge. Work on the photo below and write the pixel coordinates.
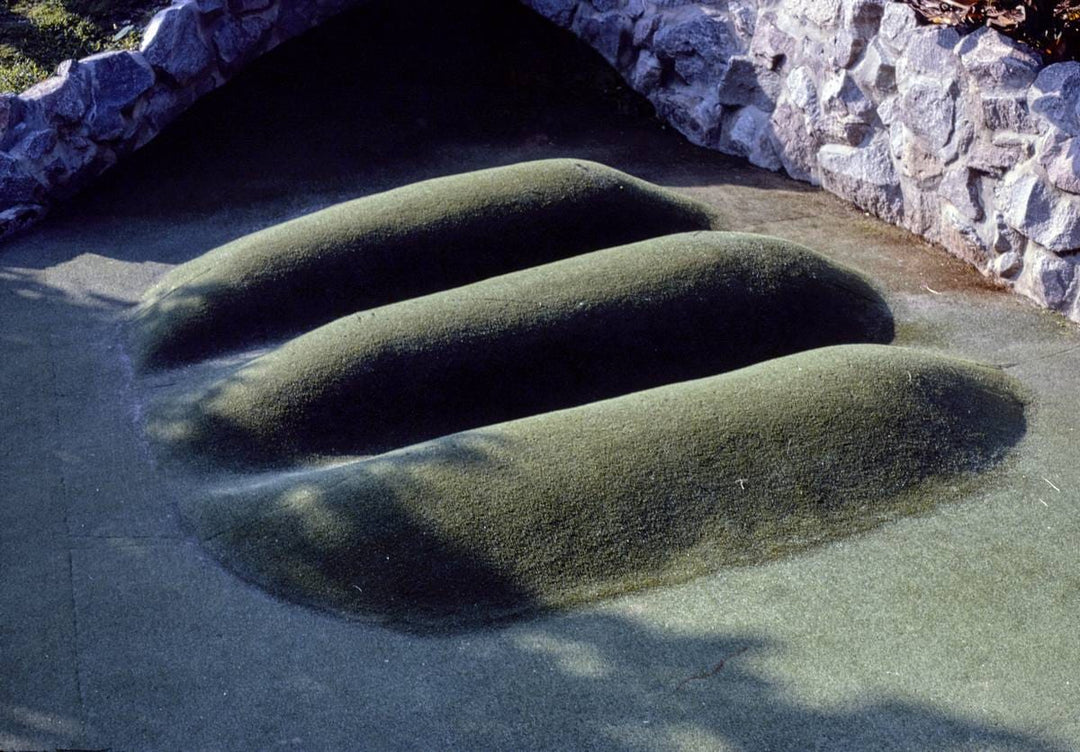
(968, 141)
(60, 134)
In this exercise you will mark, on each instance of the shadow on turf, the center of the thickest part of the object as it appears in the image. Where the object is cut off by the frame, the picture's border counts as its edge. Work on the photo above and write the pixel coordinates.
(634, 687)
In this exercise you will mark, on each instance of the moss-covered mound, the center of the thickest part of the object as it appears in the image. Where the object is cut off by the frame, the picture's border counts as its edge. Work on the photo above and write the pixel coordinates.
(591, 327)
(648, 488)
(410, 241)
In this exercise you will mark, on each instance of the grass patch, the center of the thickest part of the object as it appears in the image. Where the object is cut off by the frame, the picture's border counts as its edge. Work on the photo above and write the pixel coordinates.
(574, 331)
(35, 36)
(411, 241)
(650, 488)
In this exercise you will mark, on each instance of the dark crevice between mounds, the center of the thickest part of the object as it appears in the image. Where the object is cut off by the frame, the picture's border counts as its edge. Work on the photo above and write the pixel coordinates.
(592, 327)
(651, 488)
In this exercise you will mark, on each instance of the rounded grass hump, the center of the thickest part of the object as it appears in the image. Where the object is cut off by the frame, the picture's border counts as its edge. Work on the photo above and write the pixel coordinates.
(649, 488)
(399, 244)
(574, 331)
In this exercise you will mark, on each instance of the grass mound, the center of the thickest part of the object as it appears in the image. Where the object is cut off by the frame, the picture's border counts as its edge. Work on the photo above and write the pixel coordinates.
(649, 488)
(574, 331)
(407, 242)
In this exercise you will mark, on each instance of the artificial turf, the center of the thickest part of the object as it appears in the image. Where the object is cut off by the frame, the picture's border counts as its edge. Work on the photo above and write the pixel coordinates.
(649, 488)
(590, 327)
(403, 243)
(467, 411)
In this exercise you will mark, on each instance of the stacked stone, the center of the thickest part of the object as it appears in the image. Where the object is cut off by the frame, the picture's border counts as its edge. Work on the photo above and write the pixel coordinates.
(63, 132)
(967, 141)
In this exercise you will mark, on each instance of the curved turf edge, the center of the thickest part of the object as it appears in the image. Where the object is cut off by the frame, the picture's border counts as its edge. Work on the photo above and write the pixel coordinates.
(649, 488)
(406, 242)
(591, 327)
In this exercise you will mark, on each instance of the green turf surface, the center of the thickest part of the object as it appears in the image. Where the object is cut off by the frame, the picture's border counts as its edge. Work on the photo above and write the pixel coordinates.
(649, 488)
(590, 327)
(410, 241)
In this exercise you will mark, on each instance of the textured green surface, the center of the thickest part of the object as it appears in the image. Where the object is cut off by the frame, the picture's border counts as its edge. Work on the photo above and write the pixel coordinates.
(402, 243)
(594, 326)
(649, 488)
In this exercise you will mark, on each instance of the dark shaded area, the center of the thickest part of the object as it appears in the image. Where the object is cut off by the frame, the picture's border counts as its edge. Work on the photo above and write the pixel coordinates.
(656, 689)
(382, 90)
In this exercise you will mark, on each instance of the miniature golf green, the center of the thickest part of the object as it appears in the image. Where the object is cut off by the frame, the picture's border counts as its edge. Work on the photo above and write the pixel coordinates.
(402, 243)
(595, 417)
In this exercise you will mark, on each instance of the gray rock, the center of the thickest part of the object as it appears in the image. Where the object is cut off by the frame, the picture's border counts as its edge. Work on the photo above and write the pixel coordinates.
(1046, 278)
(1006, 112)
(559, 11)
(922, 210)
(210, 7)
(8, 113)
(929, 52)
(960, 187)
(645, 28)
(738, 84)
(992, 159)
(697, 118)
(700, 44)
(1005, 239)
(1007, 265)
(897, 19)
(795, 142)
(65, 96)
(17, 218)
(749, 136)
(844, 48)
(961, 236)
(823, 13)
(1060, 157)
(117, 78)
(875, 72)
(607, 33)
(297, 16)
(1055, 95)
(647, 72)
(928, 109)
(239, 40)
(913, 158)
(1032, 207)
(172, 43)
(35, 145)
(995, 62)
(771, 47)
(865, 176)
(17, 186)
(801, 89)
(239, 7)
(864, 17)
(846, 112)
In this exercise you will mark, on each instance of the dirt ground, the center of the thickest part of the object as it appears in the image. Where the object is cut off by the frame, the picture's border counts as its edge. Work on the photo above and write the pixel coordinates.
(955, 630)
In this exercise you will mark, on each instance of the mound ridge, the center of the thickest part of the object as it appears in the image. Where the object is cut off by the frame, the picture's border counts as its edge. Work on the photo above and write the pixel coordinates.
(648, 488)
(529, 387)
(574, 331)
(410, 241)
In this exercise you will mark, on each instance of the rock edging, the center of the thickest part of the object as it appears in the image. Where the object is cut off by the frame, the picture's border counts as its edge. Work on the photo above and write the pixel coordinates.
(969, 141)
(58, 135)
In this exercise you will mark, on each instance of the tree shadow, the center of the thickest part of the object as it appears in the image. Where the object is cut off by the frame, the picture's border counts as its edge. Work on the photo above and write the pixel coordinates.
(628, 685)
